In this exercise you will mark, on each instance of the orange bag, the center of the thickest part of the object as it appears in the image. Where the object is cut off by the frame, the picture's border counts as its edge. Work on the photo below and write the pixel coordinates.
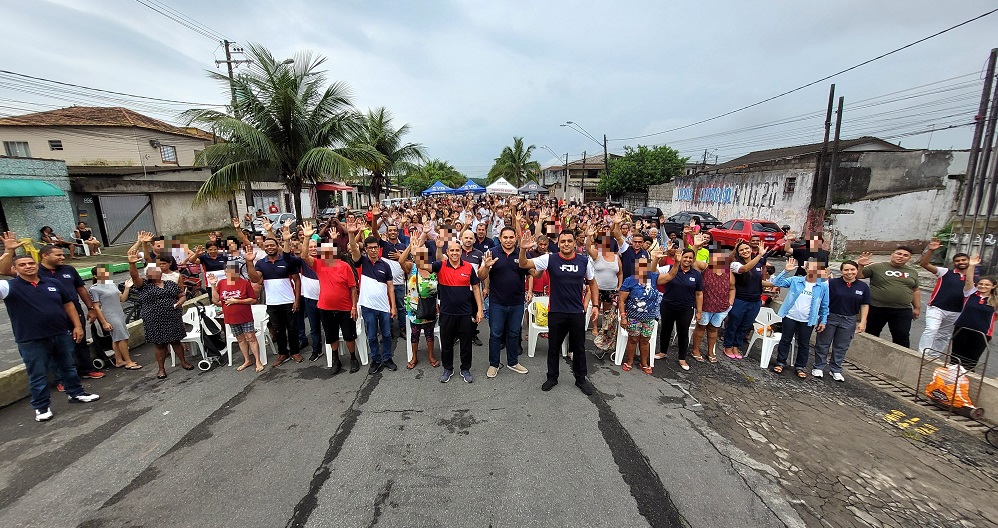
(943, 388)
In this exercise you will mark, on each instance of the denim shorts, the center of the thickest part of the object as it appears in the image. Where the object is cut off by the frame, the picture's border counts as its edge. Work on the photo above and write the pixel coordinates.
(713, 319)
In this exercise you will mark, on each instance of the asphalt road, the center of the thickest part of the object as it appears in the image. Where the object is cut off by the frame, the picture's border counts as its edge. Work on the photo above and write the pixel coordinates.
(294, 447)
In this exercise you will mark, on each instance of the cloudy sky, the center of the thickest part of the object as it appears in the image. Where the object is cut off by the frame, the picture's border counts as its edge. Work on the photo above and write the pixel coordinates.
(469, 75)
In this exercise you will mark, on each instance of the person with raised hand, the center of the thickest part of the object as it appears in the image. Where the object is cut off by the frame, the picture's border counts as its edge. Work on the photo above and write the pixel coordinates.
(236, 296)
(975, 326)
(847, 299)
(804, 309)
(160, 304)
(500, 266)
(421, 291)
(749, 270)
(895, 298)
(946, 301)
(337, 298)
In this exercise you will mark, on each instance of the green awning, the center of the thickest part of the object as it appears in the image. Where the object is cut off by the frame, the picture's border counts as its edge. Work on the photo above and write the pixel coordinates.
(10, 187)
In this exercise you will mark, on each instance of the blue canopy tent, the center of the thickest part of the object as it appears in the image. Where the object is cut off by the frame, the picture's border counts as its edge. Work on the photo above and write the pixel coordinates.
(469, 187)
(438, 188)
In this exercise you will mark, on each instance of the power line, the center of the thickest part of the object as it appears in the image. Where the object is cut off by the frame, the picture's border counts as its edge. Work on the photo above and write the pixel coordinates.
(202, 30)
(60, 83)
(217, 34)
(812, 83)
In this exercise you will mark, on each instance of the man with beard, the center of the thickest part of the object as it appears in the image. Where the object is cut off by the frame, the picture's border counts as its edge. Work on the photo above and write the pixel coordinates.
(894, 295)
(507, 280)
(946, 300)
(279, 273)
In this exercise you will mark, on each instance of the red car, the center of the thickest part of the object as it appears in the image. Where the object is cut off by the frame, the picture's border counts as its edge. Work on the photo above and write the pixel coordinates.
(743, 228)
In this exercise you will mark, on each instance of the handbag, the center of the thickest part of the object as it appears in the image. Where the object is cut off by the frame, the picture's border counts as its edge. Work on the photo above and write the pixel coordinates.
(426, 308)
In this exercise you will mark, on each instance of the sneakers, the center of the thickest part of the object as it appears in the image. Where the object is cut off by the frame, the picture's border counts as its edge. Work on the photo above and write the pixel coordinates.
(445, 377)
(390, 365)
(43, 416)
(837, 376)
(315, 355)
(374, 368)
(59, 387)
(92, 375)
(468, 378)
(492, 372)
(354, 364)
(584, 386)
(476, 341)
(517, 368)
(83, 398)
(817, 373)
(548, 385)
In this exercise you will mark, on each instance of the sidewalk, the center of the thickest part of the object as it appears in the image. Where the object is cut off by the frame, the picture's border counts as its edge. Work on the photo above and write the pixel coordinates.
(847, 454)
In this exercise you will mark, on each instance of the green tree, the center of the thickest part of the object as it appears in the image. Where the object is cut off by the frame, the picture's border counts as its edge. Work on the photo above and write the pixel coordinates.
(397, 157)
(641, 167)
(515, 165)
(419, 178)
(285, 121)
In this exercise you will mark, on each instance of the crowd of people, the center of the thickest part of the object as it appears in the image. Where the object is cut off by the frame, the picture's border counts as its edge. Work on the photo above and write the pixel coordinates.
(444, 264)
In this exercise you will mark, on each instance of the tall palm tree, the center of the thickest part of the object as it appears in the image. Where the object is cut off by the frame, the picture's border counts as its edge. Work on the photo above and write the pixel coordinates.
(377, 132)
(285, 121)
(515, 165)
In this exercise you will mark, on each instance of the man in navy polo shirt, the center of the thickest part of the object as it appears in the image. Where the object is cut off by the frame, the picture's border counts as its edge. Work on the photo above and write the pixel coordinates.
(473, 256)
(279, 273)
(52, 268)
(460, 298)
(45, 323)
(392, 247)
(847, 298)
(482, 242)
(946, 301)
(506, 279)
(570, 273)
(629, 252)
(376, 299)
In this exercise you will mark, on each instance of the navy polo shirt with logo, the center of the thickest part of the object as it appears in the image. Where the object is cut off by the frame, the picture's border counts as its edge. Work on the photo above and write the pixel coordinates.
(568, 279)
(68, 278)
(846, 298)
(948, 293)
(277, 278)
(485, 245)
(628, 257)
(213, 264)
(681, 291)
(507, 278)
(454, 286)
(36, 310)
(977, 314)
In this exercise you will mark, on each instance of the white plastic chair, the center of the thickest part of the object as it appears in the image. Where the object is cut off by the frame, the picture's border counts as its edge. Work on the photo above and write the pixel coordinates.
(533, 329)
(765, 319)
(360, 344)
(621, 346)
(193, 337)
(81, 245)
(260, 320)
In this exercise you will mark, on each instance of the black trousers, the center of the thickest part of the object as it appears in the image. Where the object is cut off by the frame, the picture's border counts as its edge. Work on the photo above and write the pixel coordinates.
(968, 347)
(572, 326)
(898, 320)
(285, 325)
(455, 327)
(681, 319)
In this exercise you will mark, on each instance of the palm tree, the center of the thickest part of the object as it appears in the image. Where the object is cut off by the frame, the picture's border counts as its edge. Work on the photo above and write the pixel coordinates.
(285, 121)
(397, 158)
(514, 164)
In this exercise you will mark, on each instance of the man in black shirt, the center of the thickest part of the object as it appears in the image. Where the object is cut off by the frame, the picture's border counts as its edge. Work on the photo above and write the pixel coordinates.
(806, 252)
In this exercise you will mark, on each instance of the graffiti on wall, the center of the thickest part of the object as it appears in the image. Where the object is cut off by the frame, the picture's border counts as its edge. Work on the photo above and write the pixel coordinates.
(762, 193)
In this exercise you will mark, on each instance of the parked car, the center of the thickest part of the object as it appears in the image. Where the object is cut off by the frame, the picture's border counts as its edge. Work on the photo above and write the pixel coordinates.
(278, 219)
(728, 233)
(676, 222)
(648, 214)
(330, 212)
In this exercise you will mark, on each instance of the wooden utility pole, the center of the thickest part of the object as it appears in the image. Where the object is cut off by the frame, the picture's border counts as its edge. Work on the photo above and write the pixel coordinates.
(583, 198)
(820, 185)
(835, 158)
(983, 166)
(606, 159)
(975, 144)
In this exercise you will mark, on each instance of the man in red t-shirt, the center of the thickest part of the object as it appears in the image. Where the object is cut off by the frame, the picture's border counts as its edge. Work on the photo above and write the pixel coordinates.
(236, 296)
(337, 299)
(273, 208)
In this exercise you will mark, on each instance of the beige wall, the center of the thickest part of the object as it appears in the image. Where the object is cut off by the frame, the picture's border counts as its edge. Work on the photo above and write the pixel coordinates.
(113, 146)
(174, 214)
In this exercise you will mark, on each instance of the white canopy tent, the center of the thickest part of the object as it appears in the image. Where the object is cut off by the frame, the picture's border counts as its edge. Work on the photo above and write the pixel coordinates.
(501, 186)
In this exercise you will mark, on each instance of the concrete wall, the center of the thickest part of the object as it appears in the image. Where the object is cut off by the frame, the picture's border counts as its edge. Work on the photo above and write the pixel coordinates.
(108, 146)
(173, 213)
(661, 196)
(758, 194)
(25, 216)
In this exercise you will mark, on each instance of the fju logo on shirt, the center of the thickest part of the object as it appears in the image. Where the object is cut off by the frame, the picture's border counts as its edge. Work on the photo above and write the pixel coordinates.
(66, 276)
(51, 289)
(859, 292)
(570, 268)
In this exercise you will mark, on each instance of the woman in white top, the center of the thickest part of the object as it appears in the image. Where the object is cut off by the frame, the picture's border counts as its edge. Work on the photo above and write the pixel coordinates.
(609, 276)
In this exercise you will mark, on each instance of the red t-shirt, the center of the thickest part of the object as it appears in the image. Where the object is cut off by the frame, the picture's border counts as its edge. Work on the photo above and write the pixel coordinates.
(335, 283)
(274, 209)
(236, 313)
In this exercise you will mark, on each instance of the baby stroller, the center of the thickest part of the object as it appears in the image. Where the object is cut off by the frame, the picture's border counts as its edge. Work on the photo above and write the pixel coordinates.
(101, 346)
(212, 338)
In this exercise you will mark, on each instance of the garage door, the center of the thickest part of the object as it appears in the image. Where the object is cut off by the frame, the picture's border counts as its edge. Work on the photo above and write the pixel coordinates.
(262, 199)
(124, 215)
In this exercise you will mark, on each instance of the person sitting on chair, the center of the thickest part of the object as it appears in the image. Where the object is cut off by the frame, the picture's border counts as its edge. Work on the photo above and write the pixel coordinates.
(86, 235)
(47, 236)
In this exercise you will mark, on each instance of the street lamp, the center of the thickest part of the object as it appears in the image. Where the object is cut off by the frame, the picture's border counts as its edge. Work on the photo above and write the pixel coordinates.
(606, 157)
(564, 192)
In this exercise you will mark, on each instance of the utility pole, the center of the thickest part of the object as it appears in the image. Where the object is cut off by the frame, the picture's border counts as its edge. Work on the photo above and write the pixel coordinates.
(583, 177)
(230, 63)
(703, 166)
(820, 186)
(564, 193)
(606, 160)
(975, 144)
(835, 158)
(989, 136)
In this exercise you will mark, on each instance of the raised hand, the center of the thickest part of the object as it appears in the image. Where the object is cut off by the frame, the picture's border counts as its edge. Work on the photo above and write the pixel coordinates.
(791, 264)
(129, 283)
(352, 228)
(199, 250)
(975, 260)
(865, 259)
(133, 256)
(10, 241)
(236, 224)
(488, 260)
(527, 241)
(250, 257)
(698, 239)
(934, 244)
(376, 210)
(212, 280)
(267, 225)
(657, 254)
(286, 231)
(144, 236)
(307, 229)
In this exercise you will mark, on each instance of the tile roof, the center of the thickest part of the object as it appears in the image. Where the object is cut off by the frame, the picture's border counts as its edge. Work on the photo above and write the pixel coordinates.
(77, 116)
(762, 156)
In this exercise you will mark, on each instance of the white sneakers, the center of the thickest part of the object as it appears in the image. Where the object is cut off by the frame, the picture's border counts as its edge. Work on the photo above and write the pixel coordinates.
(84, 398)
(837, 376)
(817, 373)
(43, 416)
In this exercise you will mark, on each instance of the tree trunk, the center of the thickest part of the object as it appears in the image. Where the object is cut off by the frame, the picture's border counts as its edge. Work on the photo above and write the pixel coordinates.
(294, 187)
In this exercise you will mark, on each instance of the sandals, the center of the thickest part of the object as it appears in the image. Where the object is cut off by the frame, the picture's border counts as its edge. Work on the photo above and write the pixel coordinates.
(699, 358)
(188, 366)
(646, 368)
(712, 358)
(625, 367)
(801, 374)
(243, 367)
(660, 356)
(259, 369)
(778, 369)
(161, 376)
(412, 364)
(434, 362)
(133, 367)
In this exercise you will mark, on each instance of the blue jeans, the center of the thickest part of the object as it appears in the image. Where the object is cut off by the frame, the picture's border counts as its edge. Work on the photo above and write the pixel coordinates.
(310, 308)
(508, 320)
(740, 319)
(378, 323)
(400, 317)
(37, 355)
(801, 332)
